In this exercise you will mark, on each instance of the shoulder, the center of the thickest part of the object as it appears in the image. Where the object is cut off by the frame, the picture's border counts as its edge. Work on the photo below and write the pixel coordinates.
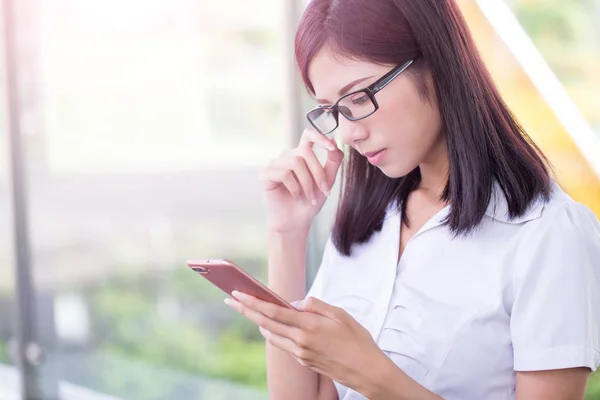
(563, 217)
(565, 235)
(555, 313)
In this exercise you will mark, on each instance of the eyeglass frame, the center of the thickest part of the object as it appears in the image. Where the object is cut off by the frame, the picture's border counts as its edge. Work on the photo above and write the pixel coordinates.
(370, 90)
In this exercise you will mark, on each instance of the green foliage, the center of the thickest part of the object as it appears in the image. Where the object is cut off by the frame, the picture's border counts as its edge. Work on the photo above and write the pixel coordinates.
(241, 360)
(554, 21)
(129, 326)
(563, 31)
(593, 388)
(4, 357)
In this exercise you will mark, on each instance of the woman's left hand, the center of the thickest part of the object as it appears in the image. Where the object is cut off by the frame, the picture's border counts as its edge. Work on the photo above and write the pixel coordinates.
(319, 336)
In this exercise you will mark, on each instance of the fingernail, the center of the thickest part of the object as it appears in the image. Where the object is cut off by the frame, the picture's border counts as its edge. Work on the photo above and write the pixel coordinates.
(235, 293)
(325, 188)
(313, 201)
(298, 304)
(265, 333)
(331, 147)
(240, 296)
(227, 301)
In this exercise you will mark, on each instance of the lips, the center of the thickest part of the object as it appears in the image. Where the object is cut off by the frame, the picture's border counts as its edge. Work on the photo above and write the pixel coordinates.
(371, 154)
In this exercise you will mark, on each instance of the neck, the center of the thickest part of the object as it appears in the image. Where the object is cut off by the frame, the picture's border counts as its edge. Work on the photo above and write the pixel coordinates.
(435, 171)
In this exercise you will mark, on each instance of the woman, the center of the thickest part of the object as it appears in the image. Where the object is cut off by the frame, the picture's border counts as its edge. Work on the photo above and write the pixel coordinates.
(456, 268)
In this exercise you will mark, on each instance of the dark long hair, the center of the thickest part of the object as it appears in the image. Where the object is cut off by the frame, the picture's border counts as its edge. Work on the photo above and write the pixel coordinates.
(485, 142)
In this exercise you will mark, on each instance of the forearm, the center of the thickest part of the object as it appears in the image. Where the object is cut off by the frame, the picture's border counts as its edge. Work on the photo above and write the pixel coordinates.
(287, 264)
(388, 382)
(287, 379)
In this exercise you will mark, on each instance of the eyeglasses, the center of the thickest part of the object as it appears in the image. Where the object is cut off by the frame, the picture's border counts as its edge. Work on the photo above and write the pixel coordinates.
(353, 106)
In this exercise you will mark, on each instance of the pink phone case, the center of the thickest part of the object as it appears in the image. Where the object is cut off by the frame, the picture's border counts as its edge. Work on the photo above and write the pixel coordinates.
(228, 277)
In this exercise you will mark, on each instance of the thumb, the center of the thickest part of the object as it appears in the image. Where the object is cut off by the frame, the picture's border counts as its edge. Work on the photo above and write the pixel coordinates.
(332, 165)
(317, 306)
(298, 304)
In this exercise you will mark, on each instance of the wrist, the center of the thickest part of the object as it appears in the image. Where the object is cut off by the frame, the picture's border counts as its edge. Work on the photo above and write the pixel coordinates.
(388, 382)
(380, 377)
(286, 268)
(297, 234)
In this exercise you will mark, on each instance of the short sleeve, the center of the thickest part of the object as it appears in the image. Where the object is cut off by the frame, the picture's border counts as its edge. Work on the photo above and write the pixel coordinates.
(555, 317)
(317, 289)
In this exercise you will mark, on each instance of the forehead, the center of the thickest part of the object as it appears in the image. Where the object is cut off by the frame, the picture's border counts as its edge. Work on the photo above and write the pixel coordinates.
(330, 72)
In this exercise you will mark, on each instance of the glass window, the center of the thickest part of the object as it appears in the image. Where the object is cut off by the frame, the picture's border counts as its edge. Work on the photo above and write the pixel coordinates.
(153, 119)
(567, 33)
(6, 234)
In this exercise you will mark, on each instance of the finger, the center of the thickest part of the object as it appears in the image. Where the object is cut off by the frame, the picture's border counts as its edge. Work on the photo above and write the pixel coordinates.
(302, 356)
(272, 311)
(273, 177)
(261, 320)
(311, 137)
(297, 304)
(317, 178)
(305, 177)
(316, 169)
(332, 165)
(316, 306)
(278, 341)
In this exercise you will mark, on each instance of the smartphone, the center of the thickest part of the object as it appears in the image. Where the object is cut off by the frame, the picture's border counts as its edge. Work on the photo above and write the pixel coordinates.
(228, 277)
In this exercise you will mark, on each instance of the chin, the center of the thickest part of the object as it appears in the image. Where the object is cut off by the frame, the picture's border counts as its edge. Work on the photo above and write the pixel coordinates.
(396, 171)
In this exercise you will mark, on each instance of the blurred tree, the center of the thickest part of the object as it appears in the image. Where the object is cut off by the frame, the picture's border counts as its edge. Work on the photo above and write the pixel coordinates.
(127, 324)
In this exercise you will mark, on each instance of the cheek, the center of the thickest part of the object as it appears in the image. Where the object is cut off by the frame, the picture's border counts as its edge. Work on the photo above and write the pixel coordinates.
(411, 128)
(409, 122)
(417, 122)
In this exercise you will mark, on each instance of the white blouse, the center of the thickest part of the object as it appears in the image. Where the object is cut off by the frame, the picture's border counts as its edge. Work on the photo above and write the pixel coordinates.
(461, 315)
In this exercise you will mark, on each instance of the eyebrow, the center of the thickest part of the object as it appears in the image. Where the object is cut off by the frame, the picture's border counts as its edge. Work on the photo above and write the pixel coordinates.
(347, 88)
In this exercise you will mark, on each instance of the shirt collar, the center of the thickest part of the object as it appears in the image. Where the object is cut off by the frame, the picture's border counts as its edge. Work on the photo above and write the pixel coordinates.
(498, 208)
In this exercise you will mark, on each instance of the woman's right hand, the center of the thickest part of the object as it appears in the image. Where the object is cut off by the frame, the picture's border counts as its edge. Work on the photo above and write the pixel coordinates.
(296, 184)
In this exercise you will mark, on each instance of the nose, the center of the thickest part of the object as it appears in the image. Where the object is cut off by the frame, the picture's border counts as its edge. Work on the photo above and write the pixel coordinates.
(351, 131)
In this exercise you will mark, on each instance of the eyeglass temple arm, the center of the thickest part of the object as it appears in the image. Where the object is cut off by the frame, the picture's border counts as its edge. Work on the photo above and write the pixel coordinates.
(391, 76)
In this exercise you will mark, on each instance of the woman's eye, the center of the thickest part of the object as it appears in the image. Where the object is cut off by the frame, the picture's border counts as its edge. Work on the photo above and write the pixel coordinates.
(360, 100)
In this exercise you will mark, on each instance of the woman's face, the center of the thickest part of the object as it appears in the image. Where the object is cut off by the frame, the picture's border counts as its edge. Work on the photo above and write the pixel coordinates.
(406, 130)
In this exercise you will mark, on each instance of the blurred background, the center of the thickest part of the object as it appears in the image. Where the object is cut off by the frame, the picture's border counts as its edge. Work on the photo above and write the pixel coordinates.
(144, 125)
